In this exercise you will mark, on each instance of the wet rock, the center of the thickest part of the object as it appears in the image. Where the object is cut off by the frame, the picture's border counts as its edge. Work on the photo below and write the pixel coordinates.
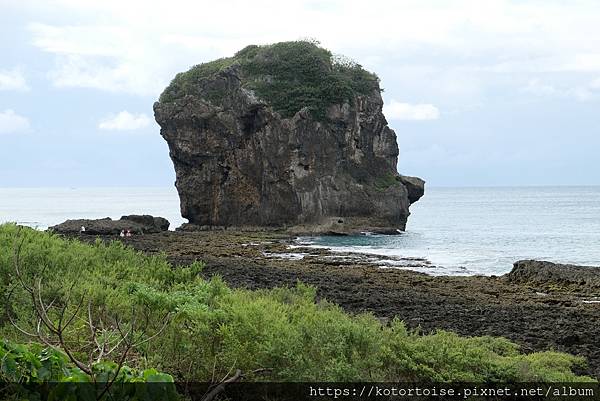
(160, 223)
(415, 187)
(137, 224)
(542, 273)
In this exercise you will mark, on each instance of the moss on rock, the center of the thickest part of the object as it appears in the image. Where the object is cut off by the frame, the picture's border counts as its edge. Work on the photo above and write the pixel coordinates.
(287, 75)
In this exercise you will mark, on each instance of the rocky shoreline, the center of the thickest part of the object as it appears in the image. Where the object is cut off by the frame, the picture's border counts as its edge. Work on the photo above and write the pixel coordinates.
(539, 305)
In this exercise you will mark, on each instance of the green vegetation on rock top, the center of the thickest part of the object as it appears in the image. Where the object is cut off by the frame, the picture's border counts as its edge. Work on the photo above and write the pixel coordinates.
(287, 75)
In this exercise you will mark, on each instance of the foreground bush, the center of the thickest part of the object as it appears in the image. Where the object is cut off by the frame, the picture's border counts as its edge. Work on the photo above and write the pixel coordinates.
(199, 330)
(29, 366)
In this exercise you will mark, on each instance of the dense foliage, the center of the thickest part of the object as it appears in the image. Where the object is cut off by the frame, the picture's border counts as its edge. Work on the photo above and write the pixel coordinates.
(28, 367)
(286, 75)
(281, 334)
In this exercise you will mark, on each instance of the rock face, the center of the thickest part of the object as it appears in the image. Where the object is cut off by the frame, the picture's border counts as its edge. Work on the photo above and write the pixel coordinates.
(547, 273)
(137, 224)
(241, 163)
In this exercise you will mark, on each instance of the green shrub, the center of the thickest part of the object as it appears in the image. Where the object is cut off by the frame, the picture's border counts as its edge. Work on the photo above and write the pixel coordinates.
(28, 367)
(287, 75)
(215, 329)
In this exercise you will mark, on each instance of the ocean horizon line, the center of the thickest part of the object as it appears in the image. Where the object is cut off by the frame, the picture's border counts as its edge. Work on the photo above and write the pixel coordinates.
(59, 187)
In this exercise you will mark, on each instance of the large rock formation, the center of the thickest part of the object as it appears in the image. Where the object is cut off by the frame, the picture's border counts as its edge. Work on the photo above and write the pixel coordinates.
(284, 136)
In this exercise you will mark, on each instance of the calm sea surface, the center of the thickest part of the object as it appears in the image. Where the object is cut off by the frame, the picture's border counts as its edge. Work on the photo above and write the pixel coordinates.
(44, 207)
(459, 230)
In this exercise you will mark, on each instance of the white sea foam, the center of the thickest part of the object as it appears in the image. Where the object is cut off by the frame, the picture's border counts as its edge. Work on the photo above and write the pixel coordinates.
(285, 255)
(468, 231)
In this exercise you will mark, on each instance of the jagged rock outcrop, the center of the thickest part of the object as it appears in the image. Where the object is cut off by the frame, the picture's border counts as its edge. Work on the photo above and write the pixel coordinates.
(137, 224)
(542, 273)
(311, 159)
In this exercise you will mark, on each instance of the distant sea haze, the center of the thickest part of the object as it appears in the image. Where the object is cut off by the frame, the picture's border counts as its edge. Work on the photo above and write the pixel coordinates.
(461, 231)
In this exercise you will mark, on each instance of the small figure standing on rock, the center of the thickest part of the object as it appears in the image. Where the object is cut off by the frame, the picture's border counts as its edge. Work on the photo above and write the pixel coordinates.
(82, 230)
(128, 233)
(122, 233)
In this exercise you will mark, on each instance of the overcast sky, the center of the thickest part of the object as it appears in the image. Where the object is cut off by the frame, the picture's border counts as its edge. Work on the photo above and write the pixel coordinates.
(479, 92)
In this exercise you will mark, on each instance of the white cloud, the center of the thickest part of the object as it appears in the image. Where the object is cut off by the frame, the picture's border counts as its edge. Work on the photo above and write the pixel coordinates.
(472, 46)
(582, 92)
(144, 46)
(406, 111)
(595, 84)
(13, 80)
(88, 72)
(589, 62)
(125, 121)
(536, 87)
(13, 123)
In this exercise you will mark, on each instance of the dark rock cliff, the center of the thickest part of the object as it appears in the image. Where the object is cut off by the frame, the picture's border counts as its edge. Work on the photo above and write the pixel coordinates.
(245, 157)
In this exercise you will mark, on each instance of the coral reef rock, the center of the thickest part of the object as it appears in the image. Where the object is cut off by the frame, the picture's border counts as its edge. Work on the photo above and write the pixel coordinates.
(284, 136)
(137, 224)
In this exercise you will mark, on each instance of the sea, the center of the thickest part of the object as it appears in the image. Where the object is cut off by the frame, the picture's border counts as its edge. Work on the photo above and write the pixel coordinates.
(458, 231)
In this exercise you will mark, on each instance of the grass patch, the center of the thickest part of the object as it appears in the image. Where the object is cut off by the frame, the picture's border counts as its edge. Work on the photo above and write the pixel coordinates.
(382, 183)
(286, 75)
